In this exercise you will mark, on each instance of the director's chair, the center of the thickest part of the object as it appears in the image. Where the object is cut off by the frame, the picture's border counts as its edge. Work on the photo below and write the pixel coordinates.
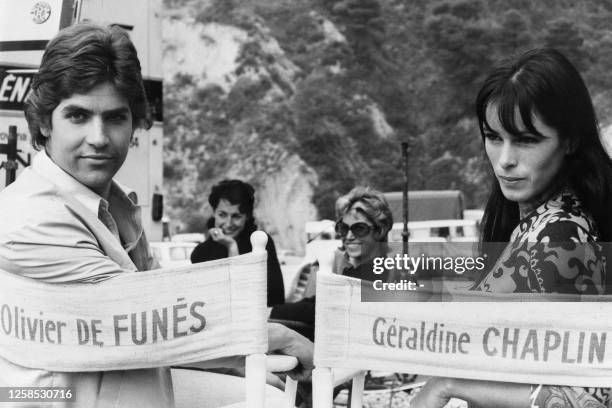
(348, 340)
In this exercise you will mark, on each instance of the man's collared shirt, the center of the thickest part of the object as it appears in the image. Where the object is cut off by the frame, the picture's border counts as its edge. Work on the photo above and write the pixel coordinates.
(56, 230)
(52, 230)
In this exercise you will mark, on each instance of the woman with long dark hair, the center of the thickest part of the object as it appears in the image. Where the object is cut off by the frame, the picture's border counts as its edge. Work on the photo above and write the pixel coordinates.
(550, 205)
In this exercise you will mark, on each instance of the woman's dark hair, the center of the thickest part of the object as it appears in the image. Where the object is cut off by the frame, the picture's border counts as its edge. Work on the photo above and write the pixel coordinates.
(237, 193)
(78, 59)
(545, 83)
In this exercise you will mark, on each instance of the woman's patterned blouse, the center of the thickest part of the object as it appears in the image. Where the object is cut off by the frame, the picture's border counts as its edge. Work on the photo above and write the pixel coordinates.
(553, 249)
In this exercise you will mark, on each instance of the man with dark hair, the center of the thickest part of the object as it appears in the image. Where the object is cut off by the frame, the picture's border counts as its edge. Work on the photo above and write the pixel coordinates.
(76, 61)
(86, 102)
(65, 220)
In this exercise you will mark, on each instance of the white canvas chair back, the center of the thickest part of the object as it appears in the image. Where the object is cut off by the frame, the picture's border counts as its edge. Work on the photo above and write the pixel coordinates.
(566, 342)
(164, 317)
(324, 379)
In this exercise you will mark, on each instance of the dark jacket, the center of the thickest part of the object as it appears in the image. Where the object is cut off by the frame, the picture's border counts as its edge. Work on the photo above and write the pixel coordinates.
(303, 311)
(210, 250)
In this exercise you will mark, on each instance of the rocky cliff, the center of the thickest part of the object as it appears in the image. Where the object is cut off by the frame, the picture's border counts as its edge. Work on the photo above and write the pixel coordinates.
(207, 74)
(308, 98)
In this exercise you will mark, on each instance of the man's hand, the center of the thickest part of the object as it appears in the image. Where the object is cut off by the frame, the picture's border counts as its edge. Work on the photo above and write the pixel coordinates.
(286, 341)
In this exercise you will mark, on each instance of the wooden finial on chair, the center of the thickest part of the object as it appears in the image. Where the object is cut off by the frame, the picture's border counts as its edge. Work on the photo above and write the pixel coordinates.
(259, 239)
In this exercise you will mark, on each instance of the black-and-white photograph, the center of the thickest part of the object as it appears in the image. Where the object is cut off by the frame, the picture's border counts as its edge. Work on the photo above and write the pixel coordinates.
(305, 203)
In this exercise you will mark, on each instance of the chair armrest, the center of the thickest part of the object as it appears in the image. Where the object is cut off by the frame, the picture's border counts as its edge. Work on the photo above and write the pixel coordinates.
(278, 363)
(275, 363)
(342, 375)
(223, 362)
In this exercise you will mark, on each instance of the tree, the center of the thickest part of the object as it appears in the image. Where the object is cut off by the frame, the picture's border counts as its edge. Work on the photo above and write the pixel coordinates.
(462, 49)
(365, 31)
(563, 35)
(514, 34)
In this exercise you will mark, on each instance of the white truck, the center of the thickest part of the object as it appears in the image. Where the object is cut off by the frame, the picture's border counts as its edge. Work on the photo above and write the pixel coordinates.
(25, 28)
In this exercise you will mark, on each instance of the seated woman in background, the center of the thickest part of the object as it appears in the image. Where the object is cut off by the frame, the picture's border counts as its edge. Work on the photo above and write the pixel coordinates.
(550, 202)
(230, 230)
(363, 226)
(364, 223)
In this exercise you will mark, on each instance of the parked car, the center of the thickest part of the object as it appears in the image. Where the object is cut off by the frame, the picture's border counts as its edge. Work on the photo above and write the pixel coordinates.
(170, 254)
(462, 230)
(287, 256)
(427, 205)
(324, 229)
(196, 237)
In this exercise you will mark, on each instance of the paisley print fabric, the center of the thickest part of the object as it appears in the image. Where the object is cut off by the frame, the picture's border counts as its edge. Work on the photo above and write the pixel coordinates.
(554, 249)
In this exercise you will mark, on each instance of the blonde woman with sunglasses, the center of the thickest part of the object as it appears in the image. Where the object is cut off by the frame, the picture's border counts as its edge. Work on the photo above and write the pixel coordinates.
(363, 226)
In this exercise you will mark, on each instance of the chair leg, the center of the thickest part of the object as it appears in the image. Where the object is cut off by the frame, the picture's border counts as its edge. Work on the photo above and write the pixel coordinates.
(290, 391)
(357, 390)
(255, 373)
(322, 387)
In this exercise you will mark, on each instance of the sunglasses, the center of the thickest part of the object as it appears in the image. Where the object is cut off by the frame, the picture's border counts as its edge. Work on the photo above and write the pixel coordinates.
(359, 229)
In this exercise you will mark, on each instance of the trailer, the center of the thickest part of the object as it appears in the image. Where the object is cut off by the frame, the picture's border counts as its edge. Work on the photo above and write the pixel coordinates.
(433, 216)
(26, 26)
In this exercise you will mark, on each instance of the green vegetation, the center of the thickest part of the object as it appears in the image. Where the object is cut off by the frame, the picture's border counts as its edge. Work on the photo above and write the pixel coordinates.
(419, 62)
